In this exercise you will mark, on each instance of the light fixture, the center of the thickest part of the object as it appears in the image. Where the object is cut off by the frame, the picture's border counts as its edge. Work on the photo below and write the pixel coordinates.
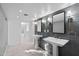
(69, 13)
(34, 22)
(20, 11)
(23, 23)
(25, 14)
(49, 19)
(43, 21)
(17, 16)
(48, 9)
(35, 16)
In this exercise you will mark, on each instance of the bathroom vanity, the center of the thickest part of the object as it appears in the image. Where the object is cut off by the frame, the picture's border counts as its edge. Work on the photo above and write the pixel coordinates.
(35, 41)
(55, 42)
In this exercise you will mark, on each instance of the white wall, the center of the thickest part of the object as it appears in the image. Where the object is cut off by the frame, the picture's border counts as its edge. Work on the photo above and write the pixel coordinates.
(3, 32)
(13, 31)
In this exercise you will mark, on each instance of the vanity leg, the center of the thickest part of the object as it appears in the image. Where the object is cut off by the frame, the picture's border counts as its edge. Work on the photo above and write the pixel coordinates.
(55, 50)
(36, 43)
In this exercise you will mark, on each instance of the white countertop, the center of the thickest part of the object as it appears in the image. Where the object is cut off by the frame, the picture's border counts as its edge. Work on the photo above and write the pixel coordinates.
(56, 41)
(37, 35)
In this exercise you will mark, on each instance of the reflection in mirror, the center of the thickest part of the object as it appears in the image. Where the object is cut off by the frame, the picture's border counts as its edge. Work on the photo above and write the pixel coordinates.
(39, 26)
(50, 19)
(44, 25)
(49, 23)
(24, 27)
(34, 23)
(44, 20)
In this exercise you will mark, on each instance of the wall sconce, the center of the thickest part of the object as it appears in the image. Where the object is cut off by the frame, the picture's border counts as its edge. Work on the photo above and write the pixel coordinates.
(43, 21)
(69, 13)
(70, 22)
(49, 19)
(34, 22)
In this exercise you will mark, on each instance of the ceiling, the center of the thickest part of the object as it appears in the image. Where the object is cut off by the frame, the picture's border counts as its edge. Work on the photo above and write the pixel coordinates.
(16, 11)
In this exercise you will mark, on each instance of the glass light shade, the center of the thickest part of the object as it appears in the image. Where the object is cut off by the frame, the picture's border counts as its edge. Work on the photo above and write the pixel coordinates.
(49, 19)
(69, 13)
(43, 21)
(34, 22)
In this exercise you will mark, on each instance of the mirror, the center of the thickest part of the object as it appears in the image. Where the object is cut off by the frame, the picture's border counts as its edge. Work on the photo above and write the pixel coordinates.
(50, 23)
(58, 23)
(47, 24)
(44, 24)
(39, 26)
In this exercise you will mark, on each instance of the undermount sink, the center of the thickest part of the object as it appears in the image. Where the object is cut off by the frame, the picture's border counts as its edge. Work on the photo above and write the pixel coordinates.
(56, 41)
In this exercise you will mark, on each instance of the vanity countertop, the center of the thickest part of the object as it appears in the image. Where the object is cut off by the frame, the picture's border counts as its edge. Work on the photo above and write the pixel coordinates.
(56, 41)
(37, 35)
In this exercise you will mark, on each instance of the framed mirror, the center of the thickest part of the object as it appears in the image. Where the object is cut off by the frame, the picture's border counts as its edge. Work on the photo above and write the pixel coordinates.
(50, 23)
(44, 24)
(58, 23)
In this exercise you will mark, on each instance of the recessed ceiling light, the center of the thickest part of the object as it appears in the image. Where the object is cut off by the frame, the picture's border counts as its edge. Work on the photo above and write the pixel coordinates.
(23, 23)
(25, 14)
(35, 16)
(17, 16)
(20, 11)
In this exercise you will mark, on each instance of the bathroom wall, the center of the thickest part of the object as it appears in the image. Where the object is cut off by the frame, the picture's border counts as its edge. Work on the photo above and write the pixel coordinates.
(72, 47)
(3, 32)
(13, 31)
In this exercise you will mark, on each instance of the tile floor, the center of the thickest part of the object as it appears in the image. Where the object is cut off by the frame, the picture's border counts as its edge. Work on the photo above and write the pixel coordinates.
(19, 50)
